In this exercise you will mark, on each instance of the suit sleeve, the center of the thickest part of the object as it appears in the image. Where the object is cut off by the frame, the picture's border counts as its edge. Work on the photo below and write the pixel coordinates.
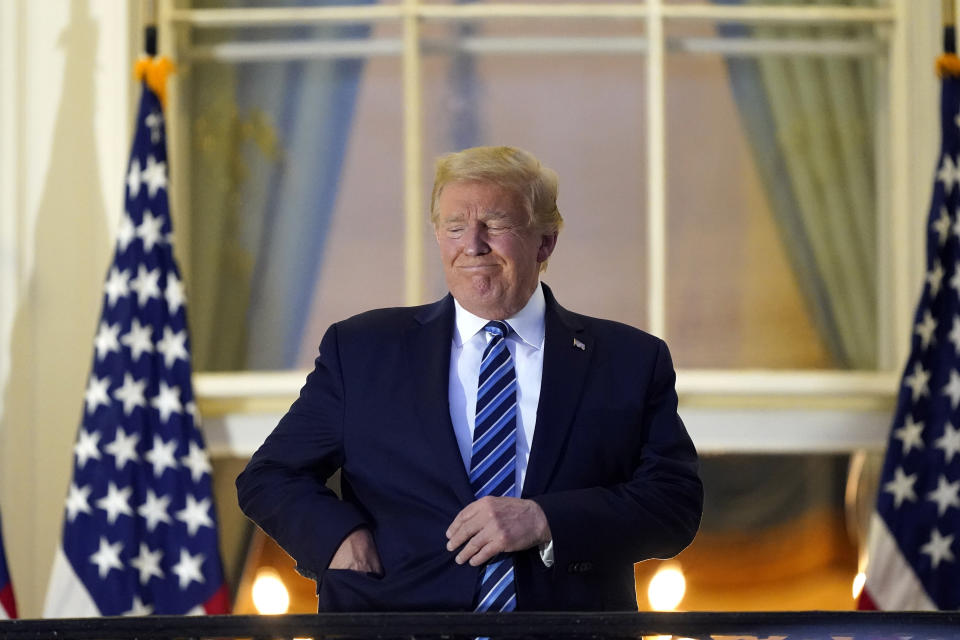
(283, 488)
(656, 513)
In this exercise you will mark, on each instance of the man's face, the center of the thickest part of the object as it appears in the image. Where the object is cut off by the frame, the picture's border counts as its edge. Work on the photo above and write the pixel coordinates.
(491, 253)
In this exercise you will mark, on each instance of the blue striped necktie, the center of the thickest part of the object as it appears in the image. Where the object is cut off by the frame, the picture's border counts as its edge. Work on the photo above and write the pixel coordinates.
(493, 461)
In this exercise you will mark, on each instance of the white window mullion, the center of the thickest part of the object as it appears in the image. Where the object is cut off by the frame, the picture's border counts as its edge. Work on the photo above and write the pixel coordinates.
(176, 119)
(897, 284)
(412, 156)
(656, 172)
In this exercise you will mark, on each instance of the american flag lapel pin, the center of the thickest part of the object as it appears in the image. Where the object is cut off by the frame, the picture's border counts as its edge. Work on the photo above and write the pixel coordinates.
(579, 345)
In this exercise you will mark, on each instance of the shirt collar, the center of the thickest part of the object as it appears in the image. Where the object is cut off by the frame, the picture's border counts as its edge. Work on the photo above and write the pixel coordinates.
(528, 323)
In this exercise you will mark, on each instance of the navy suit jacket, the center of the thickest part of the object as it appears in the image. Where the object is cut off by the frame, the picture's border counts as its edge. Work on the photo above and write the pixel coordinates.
(610, 464)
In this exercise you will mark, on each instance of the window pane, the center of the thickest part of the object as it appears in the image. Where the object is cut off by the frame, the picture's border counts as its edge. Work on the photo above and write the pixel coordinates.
(772, 203)
(296, 199)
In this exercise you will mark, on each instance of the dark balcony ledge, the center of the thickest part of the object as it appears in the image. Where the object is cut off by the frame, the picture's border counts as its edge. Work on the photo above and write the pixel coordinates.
(806, 625)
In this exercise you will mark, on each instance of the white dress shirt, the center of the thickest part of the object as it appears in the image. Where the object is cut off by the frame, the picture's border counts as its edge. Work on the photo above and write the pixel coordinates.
(525, 344)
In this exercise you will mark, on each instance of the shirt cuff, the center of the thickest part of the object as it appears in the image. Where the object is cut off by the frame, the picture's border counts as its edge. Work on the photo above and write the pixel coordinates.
(546, 553)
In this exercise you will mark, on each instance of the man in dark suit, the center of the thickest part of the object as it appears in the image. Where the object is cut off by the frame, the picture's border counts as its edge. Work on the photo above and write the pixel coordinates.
(498, 452)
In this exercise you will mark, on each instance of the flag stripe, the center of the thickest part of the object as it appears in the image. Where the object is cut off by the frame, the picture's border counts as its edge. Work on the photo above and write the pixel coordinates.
(891, 583)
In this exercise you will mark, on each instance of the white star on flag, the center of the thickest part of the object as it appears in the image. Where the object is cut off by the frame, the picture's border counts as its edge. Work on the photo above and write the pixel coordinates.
(945, 495)
(116, 502)
(117, 285)
(918, 382)
(910, 435)
(197, 461)
(952, 389)
(105, 342)
(123, 448)
(139, 340)
(167, 401)
(174, 293)
(130, 393)
(138, 608)
(149, 230)
(147, 563)
(195, 514)
(96, 394)
(161, 455)
(901, 487)
(947, 173)
(155, 175)
(133, 179)
(949, 442)
(938, 548)
(154, 510)
(87, 447)
(925, 329)
(126, 232)
(77, 502)
(188, 569)
(153, 122)
(942, 225)
(146, 285)
(173, 346)
(107, 557)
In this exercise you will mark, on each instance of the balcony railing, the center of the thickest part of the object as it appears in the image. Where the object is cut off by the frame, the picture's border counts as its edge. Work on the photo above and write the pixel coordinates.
(800, 625)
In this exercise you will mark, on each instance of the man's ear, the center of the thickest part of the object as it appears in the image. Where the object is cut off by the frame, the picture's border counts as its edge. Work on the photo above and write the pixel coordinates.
(548, 242)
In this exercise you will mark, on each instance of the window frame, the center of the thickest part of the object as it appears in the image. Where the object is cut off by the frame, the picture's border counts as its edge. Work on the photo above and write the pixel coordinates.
(821, 410)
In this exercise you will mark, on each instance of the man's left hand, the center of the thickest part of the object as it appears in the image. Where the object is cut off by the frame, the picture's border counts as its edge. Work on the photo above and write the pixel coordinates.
(493, 525)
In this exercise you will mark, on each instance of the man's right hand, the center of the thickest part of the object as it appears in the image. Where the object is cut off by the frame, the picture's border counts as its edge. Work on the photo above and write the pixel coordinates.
(358, 552)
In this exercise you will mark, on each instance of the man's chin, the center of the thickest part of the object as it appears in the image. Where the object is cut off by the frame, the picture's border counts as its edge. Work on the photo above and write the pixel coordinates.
(486, 301)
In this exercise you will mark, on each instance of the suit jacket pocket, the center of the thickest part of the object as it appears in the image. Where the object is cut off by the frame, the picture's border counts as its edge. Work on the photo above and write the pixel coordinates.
(348, 590)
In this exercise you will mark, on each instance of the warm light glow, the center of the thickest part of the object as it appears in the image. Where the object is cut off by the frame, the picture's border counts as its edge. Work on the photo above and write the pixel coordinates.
(858, 583)
(270, 596)
(666, 589)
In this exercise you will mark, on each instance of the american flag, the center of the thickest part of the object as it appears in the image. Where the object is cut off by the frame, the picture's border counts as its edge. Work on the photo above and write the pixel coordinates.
(140, 533)
(913, 547)
(8, 606)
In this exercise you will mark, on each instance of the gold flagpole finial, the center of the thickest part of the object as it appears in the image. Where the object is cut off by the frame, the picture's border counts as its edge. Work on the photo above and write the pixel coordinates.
(948, 64)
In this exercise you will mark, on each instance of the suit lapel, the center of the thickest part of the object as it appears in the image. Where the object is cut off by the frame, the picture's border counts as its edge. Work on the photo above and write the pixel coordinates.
(428, 355)
(568, 349)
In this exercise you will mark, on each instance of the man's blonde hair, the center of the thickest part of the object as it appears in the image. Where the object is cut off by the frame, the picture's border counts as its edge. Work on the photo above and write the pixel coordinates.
(509, 167)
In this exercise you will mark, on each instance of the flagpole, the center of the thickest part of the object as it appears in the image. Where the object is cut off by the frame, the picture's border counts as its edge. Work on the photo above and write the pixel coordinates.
(150, 27)
(948, 14)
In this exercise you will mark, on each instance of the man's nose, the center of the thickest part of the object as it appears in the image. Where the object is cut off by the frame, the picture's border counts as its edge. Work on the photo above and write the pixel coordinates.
(475, 241)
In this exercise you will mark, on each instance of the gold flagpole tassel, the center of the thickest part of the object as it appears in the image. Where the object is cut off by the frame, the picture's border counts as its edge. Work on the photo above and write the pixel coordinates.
(948, 64)
(155, 72)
